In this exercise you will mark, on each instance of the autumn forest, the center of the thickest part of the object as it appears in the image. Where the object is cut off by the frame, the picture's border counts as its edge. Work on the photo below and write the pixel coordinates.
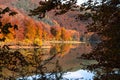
(59, 40)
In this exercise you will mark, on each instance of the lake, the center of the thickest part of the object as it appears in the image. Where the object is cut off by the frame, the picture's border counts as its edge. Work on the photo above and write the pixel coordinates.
(60, 62)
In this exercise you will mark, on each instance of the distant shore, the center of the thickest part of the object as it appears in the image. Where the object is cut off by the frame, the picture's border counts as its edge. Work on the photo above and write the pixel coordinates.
(45, 44)
(73, 42)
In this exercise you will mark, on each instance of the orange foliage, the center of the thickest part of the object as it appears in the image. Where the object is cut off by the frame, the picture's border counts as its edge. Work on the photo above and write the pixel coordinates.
(65, 35)
(30, 30)
(65, 48)
(1, 36)
(39, 30)
(56, 32)
(12, 34)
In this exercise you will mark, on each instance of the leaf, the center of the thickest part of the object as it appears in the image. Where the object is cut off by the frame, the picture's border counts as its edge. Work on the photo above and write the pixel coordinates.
(12, 13)
(6, 27)
(15, 27)
(2, 39)
(0, 16)
(0, 24)
(5, 31)
(5, 10)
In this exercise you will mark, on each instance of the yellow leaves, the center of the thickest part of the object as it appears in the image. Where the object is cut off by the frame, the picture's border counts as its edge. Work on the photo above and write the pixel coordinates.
(30, 30)
(65, 35)
(44, 35)
(38, 41)
(27, 41)
(1, 36)
(10, 36)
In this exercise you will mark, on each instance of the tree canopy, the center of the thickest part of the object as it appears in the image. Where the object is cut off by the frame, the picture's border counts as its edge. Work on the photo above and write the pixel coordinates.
(105, 16)
(106, 23)
(61, 5)
(4, 28)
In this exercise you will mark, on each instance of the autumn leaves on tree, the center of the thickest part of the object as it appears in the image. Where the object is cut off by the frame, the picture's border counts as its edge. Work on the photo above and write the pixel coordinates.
(19, 28)
(6, 28)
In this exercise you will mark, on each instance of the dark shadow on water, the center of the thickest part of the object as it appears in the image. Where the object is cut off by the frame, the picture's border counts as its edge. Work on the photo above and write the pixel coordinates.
(40, 64)
(108, 61)
(44, 64)
(14, 64)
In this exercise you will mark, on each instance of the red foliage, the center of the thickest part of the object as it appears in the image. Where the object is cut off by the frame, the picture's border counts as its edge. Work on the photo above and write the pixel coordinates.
(31, 29)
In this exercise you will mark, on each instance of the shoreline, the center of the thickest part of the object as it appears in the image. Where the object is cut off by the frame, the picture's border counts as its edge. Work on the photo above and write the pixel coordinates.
(73, 42)
(45, 44)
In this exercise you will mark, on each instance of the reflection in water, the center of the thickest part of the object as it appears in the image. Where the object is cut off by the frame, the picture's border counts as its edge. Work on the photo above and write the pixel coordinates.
(108, 61)
(78, 75)
(14, 65)
(22, 63)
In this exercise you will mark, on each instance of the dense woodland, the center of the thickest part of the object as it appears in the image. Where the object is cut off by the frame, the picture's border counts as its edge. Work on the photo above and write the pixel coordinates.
(27, 30)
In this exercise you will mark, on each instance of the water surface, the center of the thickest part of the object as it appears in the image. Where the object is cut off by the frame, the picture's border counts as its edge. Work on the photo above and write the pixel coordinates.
(61, 61)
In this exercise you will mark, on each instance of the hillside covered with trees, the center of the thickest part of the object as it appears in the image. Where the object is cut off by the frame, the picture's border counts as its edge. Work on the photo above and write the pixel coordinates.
(33, 31)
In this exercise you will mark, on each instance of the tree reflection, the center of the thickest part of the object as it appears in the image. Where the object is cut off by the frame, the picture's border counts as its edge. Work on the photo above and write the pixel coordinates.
(106, 23)
(108, 66)
(38, 64)
(15, 65)
(61, 49)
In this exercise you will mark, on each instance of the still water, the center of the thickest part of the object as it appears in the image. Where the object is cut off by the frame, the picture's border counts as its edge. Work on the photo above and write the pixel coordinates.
(75, 75)
(60, 62)
(68, 56)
